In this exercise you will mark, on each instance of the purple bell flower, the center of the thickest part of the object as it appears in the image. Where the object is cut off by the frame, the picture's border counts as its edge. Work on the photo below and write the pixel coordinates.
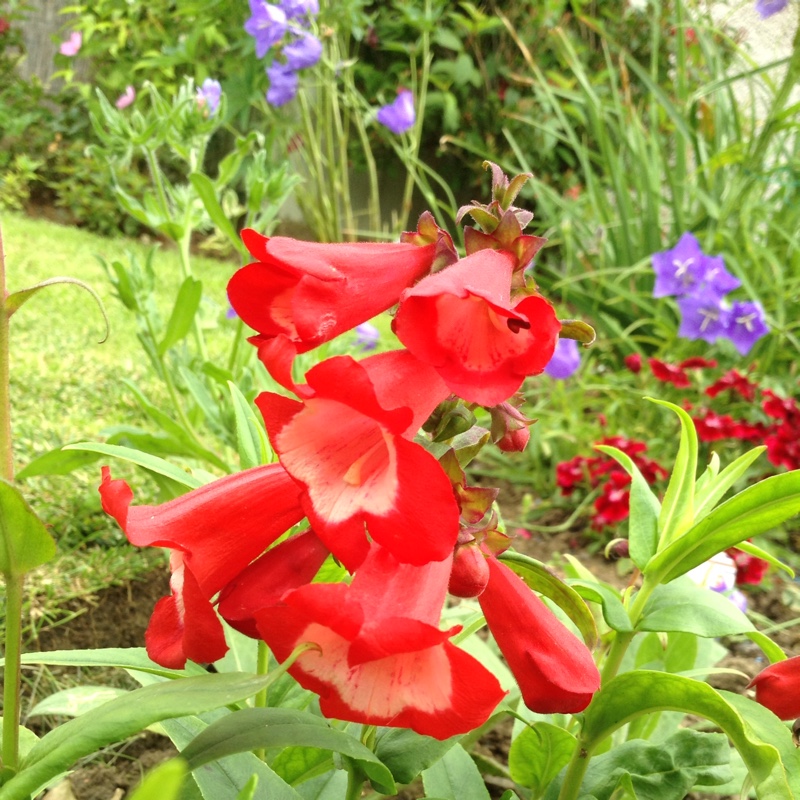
(267, 25)
(303, 53)
(283, 84)
(746, 325)
(400, 115)
(705, 318)
(367, 336)
(208, 95)
(686, 269)
(766, 8)
(565, 361)
(299, 8)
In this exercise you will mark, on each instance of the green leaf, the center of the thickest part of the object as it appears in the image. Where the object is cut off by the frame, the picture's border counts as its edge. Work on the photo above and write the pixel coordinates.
(454, 777)
(631, 694)
(755, 510)
(407, 753)
(57, 462)
(677, 510)
(16, 299)
(76, 701)
(771, 650)
(253, 446)
(27, 739)
(754, 550)
(538, 754)
(614, 612)
(180, 322)
(684, 606)
(658, 771)
(154, 464)
(162, 783)
(538, 577)
(252, 728)
(713, 490)
(24, 541)
(298, 764)
(644, 510)
(123, 717)
(208, 194)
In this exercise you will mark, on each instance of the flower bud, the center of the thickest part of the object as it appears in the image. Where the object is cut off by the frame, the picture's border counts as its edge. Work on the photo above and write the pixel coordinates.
(515, 441)
(470, 572)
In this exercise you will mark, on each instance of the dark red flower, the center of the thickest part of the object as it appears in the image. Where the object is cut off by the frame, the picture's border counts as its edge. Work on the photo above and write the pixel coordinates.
(749, 569)
(613, 504)
(712, 427)
(735, 382)
(4, 25)
(634, 362)
(697, 362)
(669, 373)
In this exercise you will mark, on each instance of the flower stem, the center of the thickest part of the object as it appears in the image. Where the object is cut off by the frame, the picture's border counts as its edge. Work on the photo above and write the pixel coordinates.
(12, 669)
(355, 783)
(260, 700)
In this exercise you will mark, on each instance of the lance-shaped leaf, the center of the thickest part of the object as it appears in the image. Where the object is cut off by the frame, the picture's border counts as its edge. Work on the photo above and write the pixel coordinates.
(180, 322)
(208, 194)
(454, 777)
(761, 739)
(407, 753)
(578, 330)
(251, 437)
(677, 510)
(16, 299)
(755, 510)
(162, 783)
(24, 541)
(539, 578)
(710, 491)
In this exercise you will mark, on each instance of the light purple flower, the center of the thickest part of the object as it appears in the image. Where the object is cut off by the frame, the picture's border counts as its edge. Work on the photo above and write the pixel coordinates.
(367, 336)
(127, 98)
(746, 325)
(398, 116)
(299, 8)
(72, 45)
(705, 318)
(766, 8)
(565, 361)
(739, 599)
(267, 25)
(304, 52)
(686, 269)
(716, 278)
(209, 94)
(283, 84)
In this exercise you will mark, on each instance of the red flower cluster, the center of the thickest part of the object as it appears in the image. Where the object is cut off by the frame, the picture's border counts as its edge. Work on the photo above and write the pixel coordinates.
(375, 498)
(612, 505)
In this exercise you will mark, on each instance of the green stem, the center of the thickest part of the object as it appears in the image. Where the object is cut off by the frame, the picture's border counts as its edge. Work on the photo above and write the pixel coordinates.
(11, 672)
(6, 450)
(260, 700)
(155, 174)
(355, 783)
(184, 247)
(576, 769)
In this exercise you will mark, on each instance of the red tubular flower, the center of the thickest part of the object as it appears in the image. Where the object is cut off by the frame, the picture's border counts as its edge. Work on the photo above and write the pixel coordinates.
(669, 373)
(778, 688)
(348, 447)
(214, 532)
(554, 669)
(310, 292)
(382, 659)
(461, 322)
(287, 566)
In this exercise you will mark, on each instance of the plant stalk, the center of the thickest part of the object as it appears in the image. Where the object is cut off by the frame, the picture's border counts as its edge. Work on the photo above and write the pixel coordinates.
(260, 700)
(6, 451)
(12, 670)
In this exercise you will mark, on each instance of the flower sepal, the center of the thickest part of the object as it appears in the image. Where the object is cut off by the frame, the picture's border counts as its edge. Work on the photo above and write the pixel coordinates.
(428, 232)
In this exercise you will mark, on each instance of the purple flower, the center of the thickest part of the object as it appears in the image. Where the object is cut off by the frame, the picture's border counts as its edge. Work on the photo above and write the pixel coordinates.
(208, 95)
(746, 325)
(303, 53)
(299, 8)
(125, 99)
(739, 599)
(72, 45)
(283, 84)
(367, 336)
(686, 269)
(267, 25)
(565, 361)
(398, 116)
(766, 8)
(704, 318)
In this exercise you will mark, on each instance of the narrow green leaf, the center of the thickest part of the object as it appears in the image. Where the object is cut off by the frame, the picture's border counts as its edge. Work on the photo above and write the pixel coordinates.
(248, 791)
(538, 754)
(57, 462)
(27, 739)
(154, 464)
(677, 510)
(16, 299)
(771, 650)
(180, 322)
(716, 487)
(683, 606)
(754, 550)
(24, 541)
(123, 717)
(644, 510)
(614, 612)
(208, 194)
(76, 700)
(252, 442)
(454, 777)
(162, 783)
(631, 694)
(755, 510)
(539, 578)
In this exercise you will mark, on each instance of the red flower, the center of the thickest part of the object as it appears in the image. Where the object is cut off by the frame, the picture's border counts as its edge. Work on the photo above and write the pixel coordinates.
(634, 363)
(462, 322)
(712, 427)
(310, 292)
(779, 407)
(4, 25)
(749, 569)
(612, 506)
(554, 669)
(347, 445)
(669, 373)
(778, 688)
(733, 381)
(697, 362)
(214, 532)
(382, 659)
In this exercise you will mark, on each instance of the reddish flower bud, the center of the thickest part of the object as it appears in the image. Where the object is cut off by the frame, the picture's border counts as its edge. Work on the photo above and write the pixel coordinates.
(778, 688)
(634, 363)
(470, 572)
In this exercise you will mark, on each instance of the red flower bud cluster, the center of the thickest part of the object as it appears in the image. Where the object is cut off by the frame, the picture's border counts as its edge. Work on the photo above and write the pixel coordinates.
(612, 504)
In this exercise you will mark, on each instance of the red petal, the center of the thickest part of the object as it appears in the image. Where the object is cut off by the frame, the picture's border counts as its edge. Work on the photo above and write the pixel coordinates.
(778, 688)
